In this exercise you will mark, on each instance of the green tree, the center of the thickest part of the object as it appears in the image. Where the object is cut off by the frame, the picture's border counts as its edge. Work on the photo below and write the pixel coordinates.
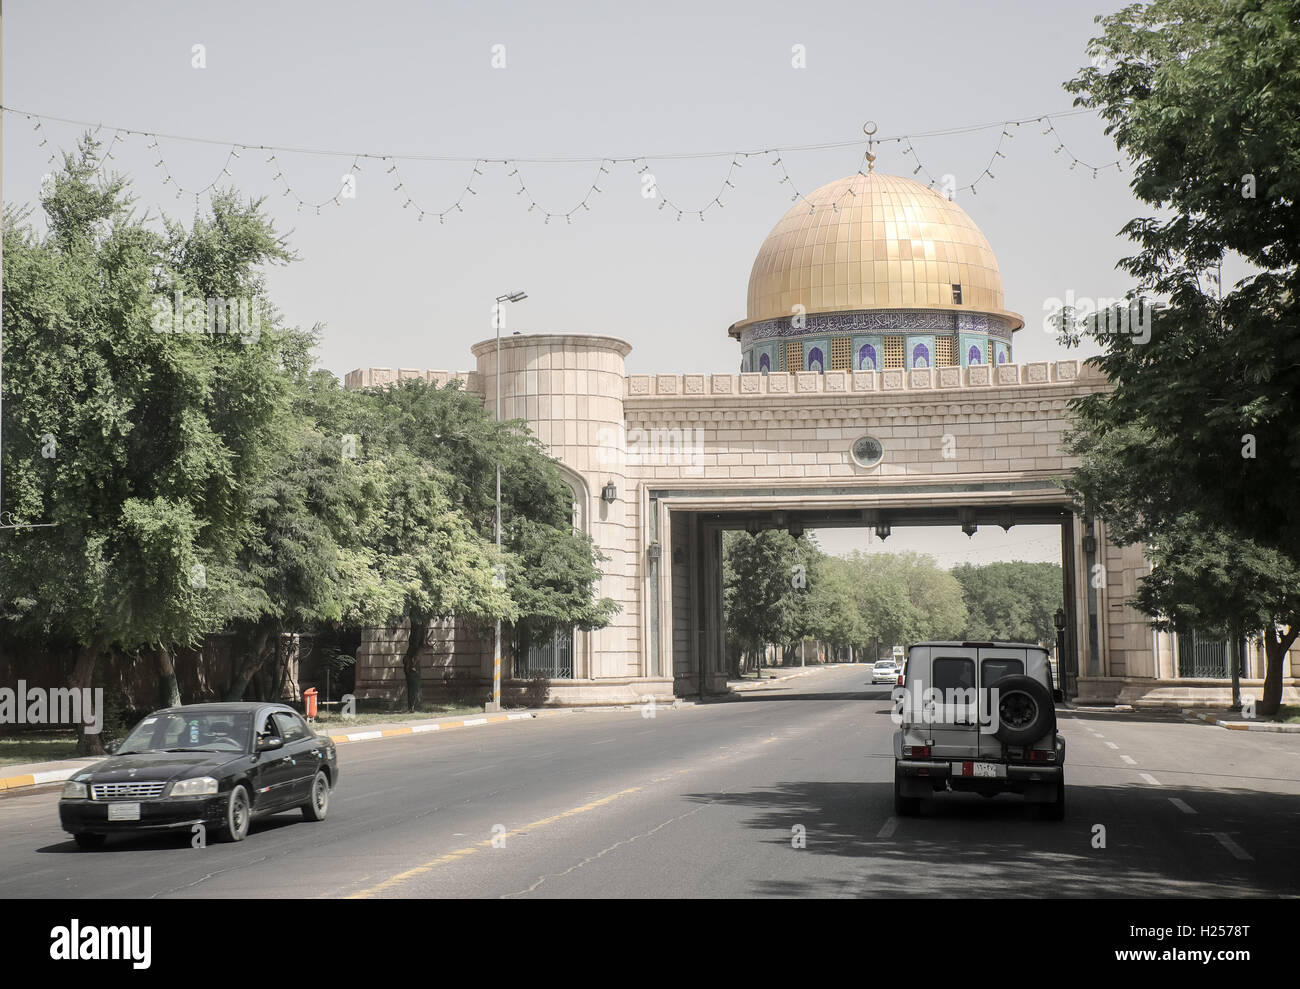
(905, 597)
(830, 612)
(430, 557)
(764, 580)
(550, 570)
(306, 562)
(1014, 601)
(140, 449)
(1200, 426)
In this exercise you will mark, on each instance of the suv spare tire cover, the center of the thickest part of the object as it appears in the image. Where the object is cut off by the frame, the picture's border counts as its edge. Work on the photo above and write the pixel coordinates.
(1024, 694)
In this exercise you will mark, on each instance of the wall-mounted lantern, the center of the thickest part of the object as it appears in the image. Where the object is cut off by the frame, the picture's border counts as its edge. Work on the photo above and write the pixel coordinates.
(1059, 619)
(967, 516)
(654, 551)
(609, 493)
(1089, 543)
(883, 531)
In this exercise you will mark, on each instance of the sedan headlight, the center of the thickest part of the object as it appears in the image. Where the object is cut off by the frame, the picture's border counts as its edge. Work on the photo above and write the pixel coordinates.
(74, 791)
(197, 787)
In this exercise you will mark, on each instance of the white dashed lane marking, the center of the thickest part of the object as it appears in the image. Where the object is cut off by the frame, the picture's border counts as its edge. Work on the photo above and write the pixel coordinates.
(1150, 779)
(1237, 851)
(1181, 805)
(888, 830)
(1129, 759)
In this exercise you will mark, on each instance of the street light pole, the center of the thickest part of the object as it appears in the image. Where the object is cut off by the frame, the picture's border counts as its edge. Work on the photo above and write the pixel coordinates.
(494, 704)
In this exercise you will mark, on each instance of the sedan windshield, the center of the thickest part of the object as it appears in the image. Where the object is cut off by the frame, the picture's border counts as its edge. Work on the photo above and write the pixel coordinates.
(180, 731)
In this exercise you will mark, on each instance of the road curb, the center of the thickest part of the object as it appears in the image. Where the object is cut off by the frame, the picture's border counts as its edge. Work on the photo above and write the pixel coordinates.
(487, 719)
(789, 676)
(759, 685)
(1214, 719)
(37, 779)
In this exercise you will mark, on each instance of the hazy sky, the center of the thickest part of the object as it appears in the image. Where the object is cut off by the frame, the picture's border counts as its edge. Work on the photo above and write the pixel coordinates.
(581, 80)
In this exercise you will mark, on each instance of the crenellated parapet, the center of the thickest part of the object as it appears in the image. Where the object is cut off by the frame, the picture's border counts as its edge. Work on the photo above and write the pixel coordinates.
(378, 377)
(806, 383)
(974, 377)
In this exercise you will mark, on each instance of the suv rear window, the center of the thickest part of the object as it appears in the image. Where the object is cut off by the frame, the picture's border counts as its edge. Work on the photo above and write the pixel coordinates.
(951, 673)
(993, 670)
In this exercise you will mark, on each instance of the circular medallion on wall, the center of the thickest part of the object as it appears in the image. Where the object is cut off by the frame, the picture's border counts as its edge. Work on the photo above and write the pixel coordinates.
(867, 451)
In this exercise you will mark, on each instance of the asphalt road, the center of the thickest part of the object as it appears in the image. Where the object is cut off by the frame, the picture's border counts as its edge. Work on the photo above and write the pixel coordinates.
(704, 801)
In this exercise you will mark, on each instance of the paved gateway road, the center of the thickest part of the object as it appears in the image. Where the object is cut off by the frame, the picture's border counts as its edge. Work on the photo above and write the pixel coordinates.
(702, 801)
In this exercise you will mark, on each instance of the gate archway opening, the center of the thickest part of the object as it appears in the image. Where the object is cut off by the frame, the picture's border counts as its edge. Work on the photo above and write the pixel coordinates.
(690, 628)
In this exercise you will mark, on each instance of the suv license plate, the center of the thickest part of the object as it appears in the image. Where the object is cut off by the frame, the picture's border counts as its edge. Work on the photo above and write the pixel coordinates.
(124, 812)
(983, 770)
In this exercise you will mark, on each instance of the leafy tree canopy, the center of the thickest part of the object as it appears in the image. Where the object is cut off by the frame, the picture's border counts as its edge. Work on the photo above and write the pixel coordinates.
(1199, 428)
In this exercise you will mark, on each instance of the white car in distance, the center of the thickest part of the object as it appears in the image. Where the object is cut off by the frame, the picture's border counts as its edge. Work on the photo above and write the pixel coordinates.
(884, 671)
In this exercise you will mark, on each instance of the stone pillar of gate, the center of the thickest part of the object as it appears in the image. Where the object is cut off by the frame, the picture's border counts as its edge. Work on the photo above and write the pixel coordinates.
(569, 388)
(1071, 637)
(680, 624)
(714, 635)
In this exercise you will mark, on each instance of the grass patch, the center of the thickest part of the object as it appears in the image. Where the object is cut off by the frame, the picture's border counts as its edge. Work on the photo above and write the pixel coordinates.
(33, 747)
(1287, 714)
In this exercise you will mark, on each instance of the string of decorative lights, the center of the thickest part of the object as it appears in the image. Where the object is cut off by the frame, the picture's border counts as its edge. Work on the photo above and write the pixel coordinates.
(604, 166)
(395, 171)
(666, 202)
(335, 199)
(825, 146)
(987, 173)
(592, 189)
(231, 155)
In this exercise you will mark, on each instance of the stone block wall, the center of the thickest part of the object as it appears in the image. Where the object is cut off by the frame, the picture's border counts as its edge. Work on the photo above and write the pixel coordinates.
(453, 655)
(570, 390)
(748, 427)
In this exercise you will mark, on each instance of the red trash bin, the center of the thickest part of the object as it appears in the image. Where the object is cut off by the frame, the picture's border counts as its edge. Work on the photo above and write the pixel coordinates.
(309, 701)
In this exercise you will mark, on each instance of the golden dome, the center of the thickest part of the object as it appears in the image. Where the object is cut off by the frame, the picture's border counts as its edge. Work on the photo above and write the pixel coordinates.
(893, 243)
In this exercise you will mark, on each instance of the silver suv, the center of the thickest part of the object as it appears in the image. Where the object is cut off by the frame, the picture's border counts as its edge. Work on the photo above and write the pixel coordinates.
(978, 717)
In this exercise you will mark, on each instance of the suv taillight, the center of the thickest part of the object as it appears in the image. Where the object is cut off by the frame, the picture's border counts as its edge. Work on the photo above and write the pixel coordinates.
(1040, 755)
(916, 751)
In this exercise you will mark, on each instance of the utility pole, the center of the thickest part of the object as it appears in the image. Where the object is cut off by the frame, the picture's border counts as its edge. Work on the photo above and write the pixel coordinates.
(495, 703)
(1234, 657)
(2, 267)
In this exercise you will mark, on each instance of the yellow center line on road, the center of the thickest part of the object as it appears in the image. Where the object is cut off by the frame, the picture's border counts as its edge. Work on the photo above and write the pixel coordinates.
(419, 870)
(425, 867)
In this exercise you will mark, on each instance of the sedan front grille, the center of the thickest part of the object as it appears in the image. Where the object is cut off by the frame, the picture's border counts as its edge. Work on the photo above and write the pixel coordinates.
(126, 791)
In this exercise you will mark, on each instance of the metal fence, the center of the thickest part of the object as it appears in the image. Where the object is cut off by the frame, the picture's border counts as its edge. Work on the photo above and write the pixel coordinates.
(1198, 657)
(552, 659)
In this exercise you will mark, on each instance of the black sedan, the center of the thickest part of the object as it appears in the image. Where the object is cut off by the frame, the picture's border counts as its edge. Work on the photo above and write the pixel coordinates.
(215, 765)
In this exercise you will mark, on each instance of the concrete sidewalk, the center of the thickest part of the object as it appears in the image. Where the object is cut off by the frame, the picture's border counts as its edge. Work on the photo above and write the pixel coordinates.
(772, 675)
(1234, 721)
(27, 775)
